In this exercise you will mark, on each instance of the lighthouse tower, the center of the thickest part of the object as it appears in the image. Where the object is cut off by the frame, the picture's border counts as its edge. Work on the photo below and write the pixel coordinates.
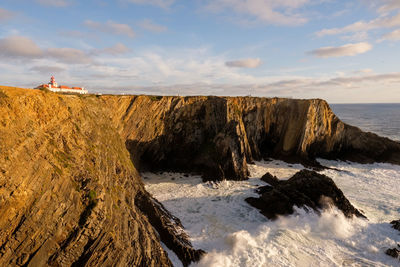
(53, 83)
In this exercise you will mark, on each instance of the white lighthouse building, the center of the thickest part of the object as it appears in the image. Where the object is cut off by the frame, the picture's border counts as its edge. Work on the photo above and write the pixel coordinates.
(53, 86)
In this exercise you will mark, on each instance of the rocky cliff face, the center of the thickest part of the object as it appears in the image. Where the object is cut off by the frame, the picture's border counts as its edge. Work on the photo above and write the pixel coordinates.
(218, 136)
(69, 193)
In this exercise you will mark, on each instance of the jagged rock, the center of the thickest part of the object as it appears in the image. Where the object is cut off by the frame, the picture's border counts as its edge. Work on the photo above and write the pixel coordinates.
(270, 179)
(218, 136)
(169, 228)
(393, 252)
(306, 189)
(395, 224)
(68, 187)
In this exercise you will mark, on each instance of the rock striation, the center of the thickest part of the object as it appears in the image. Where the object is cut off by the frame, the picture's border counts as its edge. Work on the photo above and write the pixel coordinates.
(69, 193)
(70, 190)
(306, 189)
(218, 136)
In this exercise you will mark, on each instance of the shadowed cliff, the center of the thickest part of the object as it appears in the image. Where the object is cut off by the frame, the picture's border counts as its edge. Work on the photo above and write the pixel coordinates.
(218, 136)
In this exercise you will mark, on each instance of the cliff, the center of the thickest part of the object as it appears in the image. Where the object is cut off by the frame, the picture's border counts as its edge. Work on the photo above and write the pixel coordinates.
(218, 136)
(69, 193)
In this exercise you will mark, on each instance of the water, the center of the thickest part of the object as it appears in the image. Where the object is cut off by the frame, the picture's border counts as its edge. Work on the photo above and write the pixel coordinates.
(233, 233)
(382, 119)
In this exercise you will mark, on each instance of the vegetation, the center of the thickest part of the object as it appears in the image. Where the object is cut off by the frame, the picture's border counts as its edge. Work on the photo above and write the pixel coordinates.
(155, 97)
(44, 89)
(92, 198)
(2, 94)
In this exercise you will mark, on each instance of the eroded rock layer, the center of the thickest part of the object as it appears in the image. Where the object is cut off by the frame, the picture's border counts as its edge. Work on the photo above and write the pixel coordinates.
(218, 136)
(69, 191)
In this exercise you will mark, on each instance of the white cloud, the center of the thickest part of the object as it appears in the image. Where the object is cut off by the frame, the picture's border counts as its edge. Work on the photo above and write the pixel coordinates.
(19, 47)
(116, 49)
(244, 63)
(268, 11)
(341, 51)
(389, 5)
(69, 55)
(47, 69)
(149, 25)
(111, 27)
(363, 26)
(5, 14)
(55, 3)
(392, 36)
(158, 3)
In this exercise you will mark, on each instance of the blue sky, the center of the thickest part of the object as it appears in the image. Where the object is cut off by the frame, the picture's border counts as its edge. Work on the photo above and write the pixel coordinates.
(341, 51)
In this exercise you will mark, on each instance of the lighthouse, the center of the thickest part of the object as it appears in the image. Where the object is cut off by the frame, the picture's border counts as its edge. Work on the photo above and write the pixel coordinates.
(53, 86)
(53, 83)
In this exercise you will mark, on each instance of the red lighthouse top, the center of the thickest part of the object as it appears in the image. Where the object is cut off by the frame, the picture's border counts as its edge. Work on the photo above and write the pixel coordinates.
(52, 80)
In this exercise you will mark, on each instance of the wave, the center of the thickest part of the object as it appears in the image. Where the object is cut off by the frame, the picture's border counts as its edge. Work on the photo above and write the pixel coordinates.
(233, 233)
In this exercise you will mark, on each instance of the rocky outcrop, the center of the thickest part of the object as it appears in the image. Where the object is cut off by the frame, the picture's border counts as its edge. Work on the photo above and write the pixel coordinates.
(69, 193)
(394, 252)
(218, 136)
(395, 224)
(306, 189)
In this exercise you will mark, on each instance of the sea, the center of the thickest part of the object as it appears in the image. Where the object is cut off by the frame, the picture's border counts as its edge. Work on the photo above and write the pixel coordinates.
(233, 233)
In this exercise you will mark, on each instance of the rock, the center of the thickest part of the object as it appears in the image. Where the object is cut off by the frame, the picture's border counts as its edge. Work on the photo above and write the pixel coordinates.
(68, 188)
(270, 179)
(169, 227)
(218, 136)
(306, 189)
(396, 224)
(393, 252)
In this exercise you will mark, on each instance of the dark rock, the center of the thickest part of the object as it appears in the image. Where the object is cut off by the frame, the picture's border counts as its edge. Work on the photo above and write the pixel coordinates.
(218, 136)
(169, 227)
(393, 252)
(396, 224)
(306, 189)
(270, 179)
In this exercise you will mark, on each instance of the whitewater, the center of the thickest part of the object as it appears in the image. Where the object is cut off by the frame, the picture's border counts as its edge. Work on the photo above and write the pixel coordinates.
(219, 221)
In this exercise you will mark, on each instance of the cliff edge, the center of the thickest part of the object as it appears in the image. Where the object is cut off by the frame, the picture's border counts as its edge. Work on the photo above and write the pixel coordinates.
(69, 193)
(218, 136)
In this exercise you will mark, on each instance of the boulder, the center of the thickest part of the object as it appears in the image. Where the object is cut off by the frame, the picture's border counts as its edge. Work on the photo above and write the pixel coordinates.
(306, 189)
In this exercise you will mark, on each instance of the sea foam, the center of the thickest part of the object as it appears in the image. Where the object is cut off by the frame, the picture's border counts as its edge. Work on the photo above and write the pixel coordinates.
(233, 233)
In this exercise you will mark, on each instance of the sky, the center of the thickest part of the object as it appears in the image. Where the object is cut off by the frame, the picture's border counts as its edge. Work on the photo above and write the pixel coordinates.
(345, 51)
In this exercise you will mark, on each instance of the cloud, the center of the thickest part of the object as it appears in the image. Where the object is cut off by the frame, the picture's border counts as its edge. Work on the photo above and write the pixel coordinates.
(158, 3)
(116, 49)
(111, 27)
(55, 3)
(19, 47)
(147, 24)
(5, 14)
(363, 26)
(47, 69)
(69, 55)
(268, 11)
(392, 36)
(390, 5)
(244, 63)
(341, 51)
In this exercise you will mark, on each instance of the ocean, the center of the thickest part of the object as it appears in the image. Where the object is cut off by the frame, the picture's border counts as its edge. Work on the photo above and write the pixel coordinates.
(233, 233)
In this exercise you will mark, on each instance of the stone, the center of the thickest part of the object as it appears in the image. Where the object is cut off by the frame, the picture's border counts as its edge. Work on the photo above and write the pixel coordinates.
(306, 189)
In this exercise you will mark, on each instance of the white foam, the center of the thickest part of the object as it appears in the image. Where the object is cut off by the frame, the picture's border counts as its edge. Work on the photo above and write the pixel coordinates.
(233, 233)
